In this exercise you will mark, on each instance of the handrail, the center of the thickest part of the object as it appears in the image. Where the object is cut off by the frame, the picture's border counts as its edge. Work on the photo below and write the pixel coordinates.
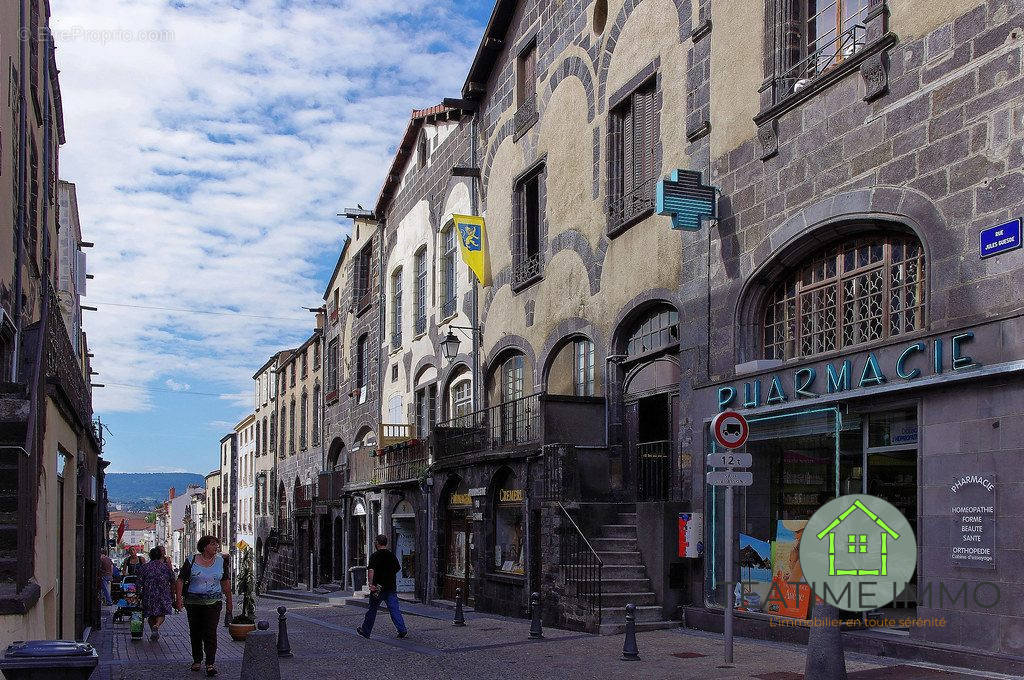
(580, 573)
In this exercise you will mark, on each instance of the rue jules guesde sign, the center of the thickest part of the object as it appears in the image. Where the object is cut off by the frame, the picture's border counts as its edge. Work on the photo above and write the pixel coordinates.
(845, 374)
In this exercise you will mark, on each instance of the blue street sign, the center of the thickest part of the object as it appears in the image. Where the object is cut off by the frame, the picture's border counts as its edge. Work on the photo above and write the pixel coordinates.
(995, 240)
(687, 200)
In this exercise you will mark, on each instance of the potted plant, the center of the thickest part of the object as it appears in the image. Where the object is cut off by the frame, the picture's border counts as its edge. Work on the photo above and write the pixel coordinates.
(245, 623)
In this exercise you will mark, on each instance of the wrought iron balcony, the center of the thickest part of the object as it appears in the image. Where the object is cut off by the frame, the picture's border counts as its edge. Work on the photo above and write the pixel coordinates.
(629, 207)
(527, 268)
(507, 425)
(399, 463)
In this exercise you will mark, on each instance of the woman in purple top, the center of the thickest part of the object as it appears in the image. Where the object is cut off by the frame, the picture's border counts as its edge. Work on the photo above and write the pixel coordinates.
(156, 580)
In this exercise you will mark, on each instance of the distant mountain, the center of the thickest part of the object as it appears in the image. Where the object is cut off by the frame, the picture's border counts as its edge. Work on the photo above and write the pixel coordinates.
(144, 490)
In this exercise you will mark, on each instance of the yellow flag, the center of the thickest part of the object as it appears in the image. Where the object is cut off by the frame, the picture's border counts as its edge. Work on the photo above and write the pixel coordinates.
(473, 237)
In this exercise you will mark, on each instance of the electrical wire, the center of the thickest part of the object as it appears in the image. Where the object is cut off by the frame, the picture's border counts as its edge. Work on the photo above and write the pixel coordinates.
(202, 311)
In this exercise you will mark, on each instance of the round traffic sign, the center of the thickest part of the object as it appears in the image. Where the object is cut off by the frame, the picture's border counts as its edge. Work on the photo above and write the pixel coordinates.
(730, 429)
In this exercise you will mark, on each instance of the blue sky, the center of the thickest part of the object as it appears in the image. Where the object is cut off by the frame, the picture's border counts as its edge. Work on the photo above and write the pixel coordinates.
(212, 144)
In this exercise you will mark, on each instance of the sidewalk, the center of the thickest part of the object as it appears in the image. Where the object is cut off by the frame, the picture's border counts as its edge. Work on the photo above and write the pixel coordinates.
(327, 647)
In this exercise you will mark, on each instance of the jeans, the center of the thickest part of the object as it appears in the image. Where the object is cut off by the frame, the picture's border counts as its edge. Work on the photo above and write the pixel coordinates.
(390, 600)
(203, 620)
(105, 591)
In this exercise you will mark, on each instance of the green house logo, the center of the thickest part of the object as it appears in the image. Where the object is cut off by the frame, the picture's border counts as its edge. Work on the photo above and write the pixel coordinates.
(858, 552)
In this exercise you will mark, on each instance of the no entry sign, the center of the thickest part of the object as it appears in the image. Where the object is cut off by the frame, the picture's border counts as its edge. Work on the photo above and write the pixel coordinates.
(730, 429)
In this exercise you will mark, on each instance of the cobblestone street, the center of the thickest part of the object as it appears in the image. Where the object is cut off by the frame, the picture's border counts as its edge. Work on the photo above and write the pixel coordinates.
(326, 646)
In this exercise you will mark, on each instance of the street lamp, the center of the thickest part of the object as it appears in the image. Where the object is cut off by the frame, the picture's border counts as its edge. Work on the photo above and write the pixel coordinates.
(450, 346)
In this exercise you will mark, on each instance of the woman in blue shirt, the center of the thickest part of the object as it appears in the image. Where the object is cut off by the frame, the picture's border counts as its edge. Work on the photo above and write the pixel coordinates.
(202, 582)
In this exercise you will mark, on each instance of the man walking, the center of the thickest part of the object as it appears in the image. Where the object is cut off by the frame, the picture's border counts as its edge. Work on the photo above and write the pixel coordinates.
(106, 575)
(380, 574)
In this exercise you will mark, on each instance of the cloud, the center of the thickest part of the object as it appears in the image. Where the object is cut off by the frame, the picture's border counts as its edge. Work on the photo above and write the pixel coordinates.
(177, 386)
(212, 144)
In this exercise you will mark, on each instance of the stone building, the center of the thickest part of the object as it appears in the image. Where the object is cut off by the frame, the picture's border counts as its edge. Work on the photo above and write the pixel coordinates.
(51, 531)
(214, 503)
(299, 463)
(229, 493)
(265, 411)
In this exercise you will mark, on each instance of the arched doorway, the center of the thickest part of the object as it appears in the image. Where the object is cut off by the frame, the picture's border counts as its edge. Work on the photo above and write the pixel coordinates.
(650, 400)
(403, 538)
(457, 565)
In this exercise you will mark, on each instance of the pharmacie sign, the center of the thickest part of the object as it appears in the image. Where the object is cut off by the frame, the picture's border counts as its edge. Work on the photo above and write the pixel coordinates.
(865, 371)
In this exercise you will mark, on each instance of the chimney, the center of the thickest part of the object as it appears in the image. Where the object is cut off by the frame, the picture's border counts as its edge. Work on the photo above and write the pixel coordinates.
(170, 494)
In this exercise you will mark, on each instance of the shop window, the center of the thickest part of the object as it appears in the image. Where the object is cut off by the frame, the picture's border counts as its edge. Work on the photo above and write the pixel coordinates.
(509, 526)
(633, 162)
(583, 353)
(526, 225)
(658, 331)
(859, 291)
(449, 285)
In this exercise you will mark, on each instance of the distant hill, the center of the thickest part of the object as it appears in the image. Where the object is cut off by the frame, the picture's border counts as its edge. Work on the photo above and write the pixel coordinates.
(144, 490)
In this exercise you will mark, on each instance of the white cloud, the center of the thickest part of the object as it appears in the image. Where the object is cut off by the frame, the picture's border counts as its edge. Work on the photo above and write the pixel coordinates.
(210, 163)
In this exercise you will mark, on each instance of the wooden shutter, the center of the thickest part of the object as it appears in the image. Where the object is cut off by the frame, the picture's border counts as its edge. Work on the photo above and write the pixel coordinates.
(646, 114)
(628, 149)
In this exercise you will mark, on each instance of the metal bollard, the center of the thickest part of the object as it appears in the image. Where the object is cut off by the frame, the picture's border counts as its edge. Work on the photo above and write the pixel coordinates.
(629, 650)
(536, 631)
(460, 619)
(284, 647)
(259, 661)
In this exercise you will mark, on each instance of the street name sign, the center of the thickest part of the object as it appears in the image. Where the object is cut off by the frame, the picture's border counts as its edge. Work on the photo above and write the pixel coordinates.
(730, 478)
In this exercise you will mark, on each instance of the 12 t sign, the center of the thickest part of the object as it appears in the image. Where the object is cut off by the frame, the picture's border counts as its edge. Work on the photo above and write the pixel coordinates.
(730, 429)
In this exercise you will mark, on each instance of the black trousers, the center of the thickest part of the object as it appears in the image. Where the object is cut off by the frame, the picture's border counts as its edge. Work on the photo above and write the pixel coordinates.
(203, 620)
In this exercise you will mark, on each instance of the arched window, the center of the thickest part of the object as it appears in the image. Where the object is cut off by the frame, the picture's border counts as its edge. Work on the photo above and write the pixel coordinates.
(658, 330)
(303, 420)
(449, 287)
(849, 293)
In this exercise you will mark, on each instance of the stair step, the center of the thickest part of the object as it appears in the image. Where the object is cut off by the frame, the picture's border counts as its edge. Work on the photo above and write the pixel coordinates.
(640, 599)
(618, 531)
(644, 614)
(625, 585)
(610, 571)
(621, 557)
(614, 544)
(626, 518)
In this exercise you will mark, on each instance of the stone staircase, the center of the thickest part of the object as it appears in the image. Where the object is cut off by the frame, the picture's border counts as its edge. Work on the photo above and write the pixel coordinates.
(624, 577)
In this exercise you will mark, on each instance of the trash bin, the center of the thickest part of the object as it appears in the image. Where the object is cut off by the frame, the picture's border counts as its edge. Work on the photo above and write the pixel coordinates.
(357, 577)
(49, 660)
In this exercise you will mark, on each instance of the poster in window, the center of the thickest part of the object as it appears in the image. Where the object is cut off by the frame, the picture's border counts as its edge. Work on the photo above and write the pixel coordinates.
(788, 597)
(755, 571)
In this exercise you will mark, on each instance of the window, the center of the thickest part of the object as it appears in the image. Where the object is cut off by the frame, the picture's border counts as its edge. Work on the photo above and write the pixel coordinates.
(291, 428)
(526, 90)
(854, 292)
(526, 266)
(583, 382)
(361, 369)
(272, 444)
(633, 160)
(315, 432)
(834, 31)
(394, 373)
(265, 442)
(449, 284)
(509, 526)
(332, 366)
(303, 420)
(658, 330)
(363, 287)
(396, 308)
(257, 438)
(420, 301)
(426, 410)
(291, 374)
(422, 153)
(462, 399)
(316, 354)
(395, 410)
(305, 363)
(283, 451)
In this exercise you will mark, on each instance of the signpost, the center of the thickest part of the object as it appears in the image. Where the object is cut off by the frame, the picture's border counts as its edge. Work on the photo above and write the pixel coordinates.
(730, 431)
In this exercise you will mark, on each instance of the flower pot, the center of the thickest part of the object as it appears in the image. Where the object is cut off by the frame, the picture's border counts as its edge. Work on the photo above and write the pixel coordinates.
(240, 631)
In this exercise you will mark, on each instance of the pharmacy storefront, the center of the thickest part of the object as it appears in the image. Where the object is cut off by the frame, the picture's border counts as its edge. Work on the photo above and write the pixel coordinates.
(933, 425)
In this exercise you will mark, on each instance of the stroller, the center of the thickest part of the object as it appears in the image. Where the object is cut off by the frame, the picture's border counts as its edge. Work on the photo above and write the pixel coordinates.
(127, 598)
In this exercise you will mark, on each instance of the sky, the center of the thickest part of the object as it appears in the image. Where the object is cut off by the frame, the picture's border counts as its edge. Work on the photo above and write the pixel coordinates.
(212, 143)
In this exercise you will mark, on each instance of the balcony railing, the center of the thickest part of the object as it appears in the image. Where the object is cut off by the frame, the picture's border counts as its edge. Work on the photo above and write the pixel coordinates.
(652, 470)
(360, 468)
(394, 433)
(448, 307)
(826, 56)
(526, 269)
(401, 463)
(625, 209)
(506, 425)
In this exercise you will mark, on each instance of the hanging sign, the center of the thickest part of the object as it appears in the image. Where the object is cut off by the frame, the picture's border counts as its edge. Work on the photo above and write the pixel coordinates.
(686, 199)
(995, 240)
(730, 429)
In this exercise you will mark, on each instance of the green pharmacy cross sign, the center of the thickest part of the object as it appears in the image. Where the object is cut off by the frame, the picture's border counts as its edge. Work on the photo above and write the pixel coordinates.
(686, 200)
